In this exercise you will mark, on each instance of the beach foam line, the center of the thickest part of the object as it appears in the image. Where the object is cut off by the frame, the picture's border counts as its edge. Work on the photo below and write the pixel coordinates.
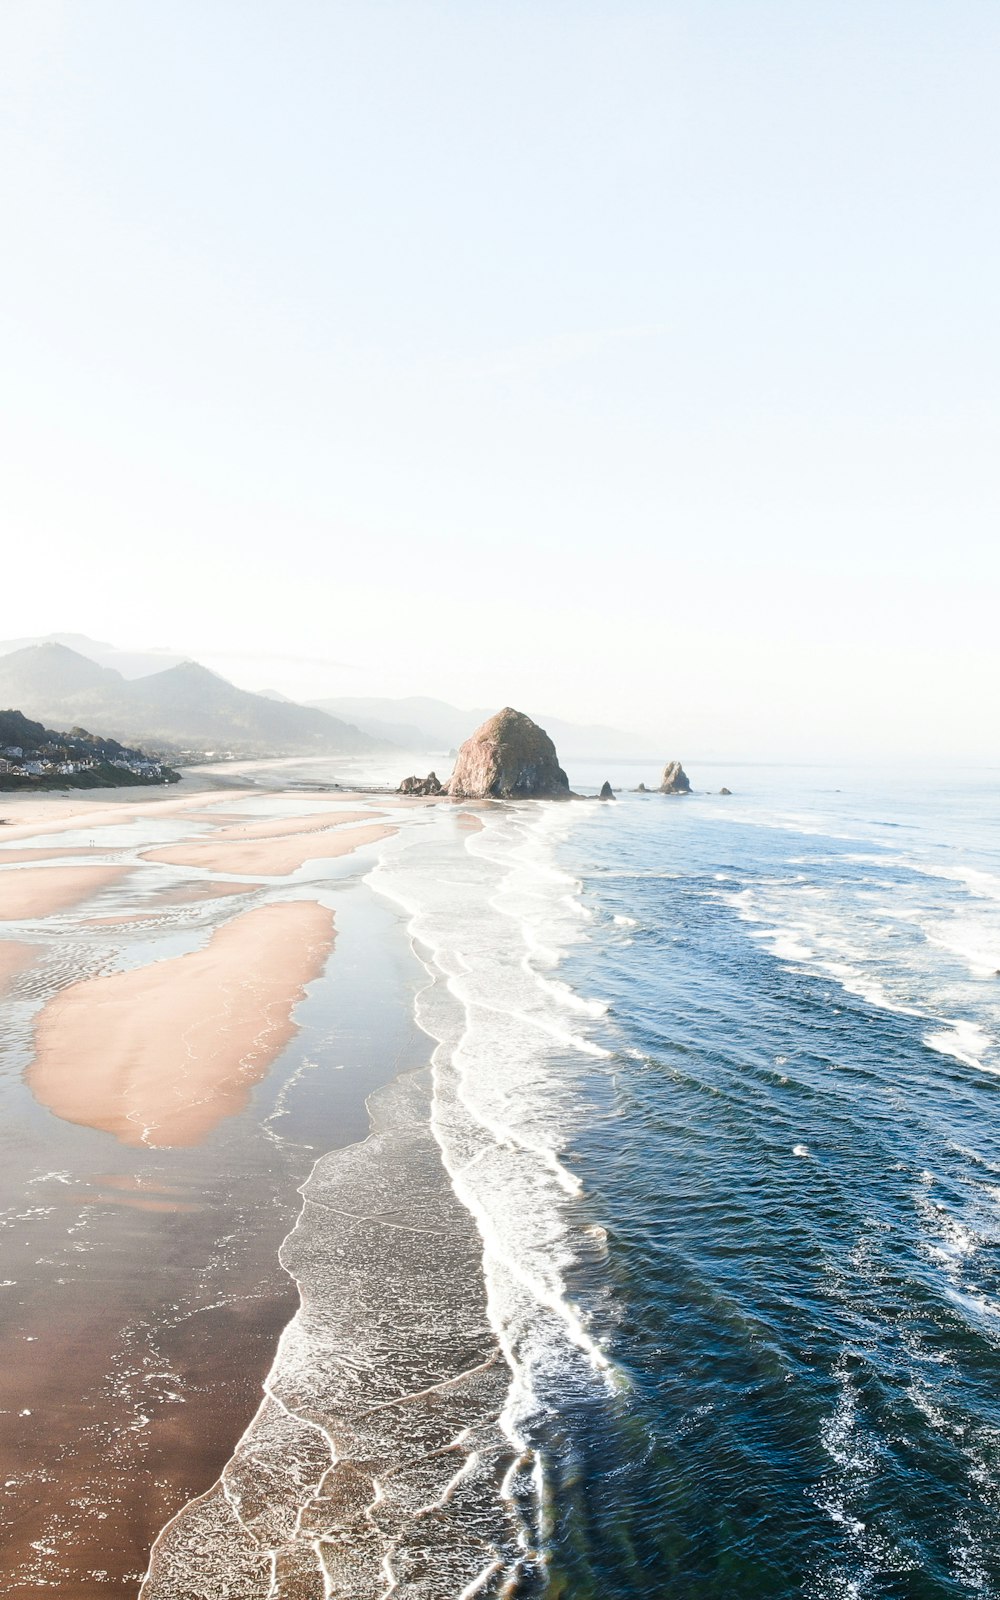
(496, 1114)
(376, 1444)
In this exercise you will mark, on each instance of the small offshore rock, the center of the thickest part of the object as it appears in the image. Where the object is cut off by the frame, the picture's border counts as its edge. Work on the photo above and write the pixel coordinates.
(607, 793)
(675, 779)
(508, 758)
(724, 790)
(641, 789)
(422, 786)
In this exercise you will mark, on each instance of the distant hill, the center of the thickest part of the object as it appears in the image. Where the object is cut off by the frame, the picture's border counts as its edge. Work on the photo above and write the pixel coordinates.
(130, 663)
(33, 756)
(420, 723)
(185, 710)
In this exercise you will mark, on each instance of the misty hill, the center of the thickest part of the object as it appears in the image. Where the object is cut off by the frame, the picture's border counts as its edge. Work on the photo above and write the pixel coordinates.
(130, 663)
(419, 723)
(184, 709)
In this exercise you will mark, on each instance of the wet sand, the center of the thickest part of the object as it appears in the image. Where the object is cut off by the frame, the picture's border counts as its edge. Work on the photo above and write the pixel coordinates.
(15, 958)
(124, 1385)
(158, 1055)
(47, 853)
(269, 857)
(26, 815)
(34, 892)
(283, 827)
(468, 822)
(186, 894)
(141, 1296)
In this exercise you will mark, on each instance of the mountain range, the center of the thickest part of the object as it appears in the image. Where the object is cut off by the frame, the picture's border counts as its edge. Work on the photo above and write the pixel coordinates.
(185, 710)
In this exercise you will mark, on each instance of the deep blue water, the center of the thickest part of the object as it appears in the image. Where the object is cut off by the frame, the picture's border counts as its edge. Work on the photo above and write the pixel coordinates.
(794, 1152)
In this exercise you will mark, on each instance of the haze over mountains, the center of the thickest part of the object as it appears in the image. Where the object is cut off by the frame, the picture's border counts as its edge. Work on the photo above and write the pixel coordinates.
(130, 663)
(159, 699)
(420, 723)
(185, 708)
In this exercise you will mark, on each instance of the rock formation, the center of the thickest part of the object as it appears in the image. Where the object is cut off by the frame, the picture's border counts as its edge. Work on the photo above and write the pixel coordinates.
(724, 790)
(607, 793)
(675, 779)
(641, 789)
(508, 758)
(429, 785)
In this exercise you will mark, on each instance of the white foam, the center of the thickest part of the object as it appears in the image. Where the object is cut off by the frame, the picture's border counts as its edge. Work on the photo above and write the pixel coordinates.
(964, 1041)
(504, 1084)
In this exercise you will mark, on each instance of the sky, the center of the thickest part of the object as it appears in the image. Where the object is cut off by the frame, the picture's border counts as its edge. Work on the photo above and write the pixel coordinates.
(633, 361)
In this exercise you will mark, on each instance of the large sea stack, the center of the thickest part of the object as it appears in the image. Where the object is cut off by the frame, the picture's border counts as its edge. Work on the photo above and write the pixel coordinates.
(508, 758)
(675, 779)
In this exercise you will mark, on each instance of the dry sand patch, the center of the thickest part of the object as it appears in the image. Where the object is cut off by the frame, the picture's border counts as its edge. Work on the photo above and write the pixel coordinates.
(33, 892)
(268, 858)
(160, 1054)
(278, 828)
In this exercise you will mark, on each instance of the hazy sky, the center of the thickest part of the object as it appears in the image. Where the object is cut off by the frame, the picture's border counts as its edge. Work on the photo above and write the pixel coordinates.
(634, 361)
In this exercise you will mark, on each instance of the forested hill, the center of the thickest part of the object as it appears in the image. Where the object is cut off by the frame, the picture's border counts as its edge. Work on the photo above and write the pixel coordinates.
(35, 757)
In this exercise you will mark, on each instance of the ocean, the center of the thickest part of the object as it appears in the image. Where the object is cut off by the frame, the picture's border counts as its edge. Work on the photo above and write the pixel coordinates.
(677, 1273)
(669, 1266)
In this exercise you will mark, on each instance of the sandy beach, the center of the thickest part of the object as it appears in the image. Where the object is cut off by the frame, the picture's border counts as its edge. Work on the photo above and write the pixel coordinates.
(269, 856)
(25, 815)
(33, 892)
(164, 1091)
(157, 1055)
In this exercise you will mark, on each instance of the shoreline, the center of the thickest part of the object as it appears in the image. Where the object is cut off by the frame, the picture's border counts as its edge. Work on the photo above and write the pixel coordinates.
(326, 1303)
(181, 1190)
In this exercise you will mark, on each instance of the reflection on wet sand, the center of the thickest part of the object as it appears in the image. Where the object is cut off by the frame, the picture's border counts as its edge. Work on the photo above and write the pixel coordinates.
(33, 892)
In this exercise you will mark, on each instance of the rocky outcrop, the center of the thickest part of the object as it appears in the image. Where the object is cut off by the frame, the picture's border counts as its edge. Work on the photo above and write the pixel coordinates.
(423, 786)
(675, 779)
(641, 789)
(724, 790)
(508, 758)
(607, 793)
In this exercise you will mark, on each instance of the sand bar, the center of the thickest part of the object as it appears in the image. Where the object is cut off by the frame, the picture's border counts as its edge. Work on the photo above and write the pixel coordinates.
(26, 815)
(268, 858)
(160, 1054)
(49, 852)
(33, 892)
(282, 828)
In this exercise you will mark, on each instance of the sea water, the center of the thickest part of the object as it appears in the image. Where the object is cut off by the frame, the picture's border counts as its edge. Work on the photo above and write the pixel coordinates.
(677, 1270)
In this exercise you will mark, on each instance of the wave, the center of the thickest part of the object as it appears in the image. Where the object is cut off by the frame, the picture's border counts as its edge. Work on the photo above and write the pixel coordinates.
(394, 1451)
